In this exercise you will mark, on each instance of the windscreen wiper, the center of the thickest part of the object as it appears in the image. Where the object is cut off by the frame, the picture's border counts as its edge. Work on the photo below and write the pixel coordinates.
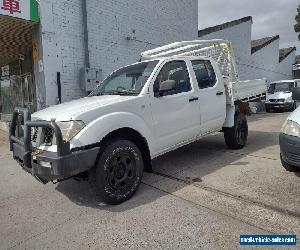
(120, 92)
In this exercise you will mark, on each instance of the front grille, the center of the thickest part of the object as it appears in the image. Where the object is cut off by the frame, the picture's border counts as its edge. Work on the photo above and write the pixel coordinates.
(41, 136)
(47, 135)
(277, 100)
(293, 157)
(34, 134)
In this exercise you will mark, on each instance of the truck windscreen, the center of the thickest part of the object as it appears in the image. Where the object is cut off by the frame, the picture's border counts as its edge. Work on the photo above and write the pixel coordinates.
(281, 87)
(129, 80)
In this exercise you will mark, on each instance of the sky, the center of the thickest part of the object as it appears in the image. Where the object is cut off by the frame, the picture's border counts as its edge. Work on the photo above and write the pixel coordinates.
(270, 17)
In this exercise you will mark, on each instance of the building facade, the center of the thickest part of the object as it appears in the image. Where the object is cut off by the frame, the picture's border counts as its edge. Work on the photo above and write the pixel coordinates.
(73, 44)
(54, 51)
(18, 20)
(255, 59)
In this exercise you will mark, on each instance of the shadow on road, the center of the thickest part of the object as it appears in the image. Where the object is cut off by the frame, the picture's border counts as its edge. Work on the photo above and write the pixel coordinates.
(194, 156)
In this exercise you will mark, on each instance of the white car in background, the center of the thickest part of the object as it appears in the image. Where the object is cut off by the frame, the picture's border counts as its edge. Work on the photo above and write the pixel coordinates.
(289, 139)
(279, 96)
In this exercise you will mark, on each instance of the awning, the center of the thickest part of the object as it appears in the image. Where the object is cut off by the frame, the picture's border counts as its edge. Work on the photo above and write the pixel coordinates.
(17, 20)
(15, 38)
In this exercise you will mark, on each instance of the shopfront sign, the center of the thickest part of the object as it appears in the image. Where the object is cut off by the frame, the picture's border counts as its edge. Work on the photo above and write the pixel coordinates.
(23, 9)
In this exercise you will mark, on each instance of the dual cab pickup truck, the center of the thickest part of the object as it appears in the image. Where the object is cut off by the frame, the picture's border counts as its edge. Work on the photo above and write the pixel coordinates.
(175, 95)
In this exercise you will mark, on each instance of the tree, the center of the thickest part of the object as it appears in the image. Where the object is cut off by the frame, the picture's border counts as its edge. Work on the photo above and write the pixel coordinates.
(297, 25)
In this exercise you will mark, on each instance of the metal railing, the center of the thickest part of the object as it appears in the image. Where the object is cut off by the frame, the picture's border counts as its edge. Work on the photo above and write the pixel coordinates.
(18, 91)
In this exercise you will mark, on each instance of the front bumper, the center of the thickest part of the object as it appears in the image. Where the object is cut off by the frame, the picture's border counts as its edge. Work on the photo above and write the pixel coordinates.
(290, 149)
(279, 105)
(48, 166)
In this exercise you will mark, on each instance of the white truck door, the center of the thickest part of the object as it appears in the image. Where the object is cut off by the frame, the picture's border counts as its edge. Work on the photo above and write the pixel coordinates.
(212, 98)
(176, 112)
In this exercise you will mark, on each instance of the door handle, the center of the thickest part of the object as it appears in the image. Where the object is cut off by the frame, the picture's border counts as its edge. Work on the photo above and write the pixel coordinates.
(220, 93)
(193, 99)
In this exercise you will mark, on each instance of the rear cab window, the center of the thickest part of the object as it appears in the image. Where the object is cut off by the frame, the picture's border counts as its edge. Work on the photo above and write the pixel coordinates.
(205, 74)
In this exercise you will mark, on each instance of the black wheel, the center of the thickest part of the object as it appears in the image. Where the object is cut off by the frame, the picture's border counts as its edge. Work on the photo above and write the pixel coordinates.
(268, 110)
(293, 107)
(289, 167)
(118, 172)
(236, 137)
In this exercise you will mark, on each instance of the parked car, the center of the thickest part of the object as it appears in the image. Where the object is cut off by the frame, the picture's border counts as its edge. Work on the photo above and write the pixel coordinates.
(279, 95)
(289, 139)
(169, 99)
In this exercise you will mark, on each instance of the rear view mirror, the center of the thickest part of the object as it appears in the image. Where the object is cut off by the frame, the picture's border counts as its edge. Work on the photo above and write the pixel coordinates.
(296, 94)
(166, 86)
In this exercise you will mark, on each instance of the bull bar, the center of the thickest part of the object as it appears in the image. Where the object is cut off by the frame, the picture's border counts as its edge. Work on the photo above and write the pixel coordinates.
(44, 165)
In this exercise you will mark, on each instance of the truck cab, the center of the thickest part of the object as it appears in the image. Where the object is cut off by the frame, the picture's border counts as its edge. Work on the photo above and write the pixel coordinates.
(279, 95)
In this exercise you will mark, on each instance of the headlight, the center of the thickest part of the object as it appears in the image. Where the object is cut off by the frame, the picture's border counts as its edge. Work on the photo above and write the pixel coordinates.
(291, 128)
(69, 129)
(289, 99)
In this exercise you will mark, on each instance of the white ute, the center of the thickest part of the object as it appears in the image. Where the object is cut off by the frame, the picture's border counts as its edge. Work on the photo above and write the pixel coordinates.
(175, 95)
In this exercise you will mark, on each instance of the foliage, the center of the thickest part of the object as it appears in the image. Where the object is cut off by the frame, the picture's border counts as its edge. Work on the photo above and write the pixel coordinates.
(297, 18)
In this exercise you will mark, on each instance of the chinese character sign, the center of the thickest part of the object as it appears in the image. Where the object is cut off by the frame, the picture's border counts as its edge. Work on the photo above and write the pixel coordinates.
(23, 9)
(11, 5)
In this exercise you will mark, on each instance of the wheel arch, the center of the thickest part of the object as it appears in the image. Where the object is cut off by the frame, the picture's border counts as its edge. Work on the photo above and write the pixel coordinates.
(134, 136)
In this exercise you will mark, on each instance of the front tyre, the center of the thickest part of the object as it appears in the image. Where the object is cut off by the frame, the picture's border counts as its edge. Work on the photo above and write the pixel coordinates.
(289, 167)
(236, 137)
(118, 172)
(293, 107)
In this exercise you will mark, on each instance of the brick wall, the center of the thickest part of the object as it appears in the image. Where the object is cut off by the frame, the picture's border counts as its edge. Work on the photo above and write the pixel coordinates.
(63, 47)
(152, 23)
(148, 23)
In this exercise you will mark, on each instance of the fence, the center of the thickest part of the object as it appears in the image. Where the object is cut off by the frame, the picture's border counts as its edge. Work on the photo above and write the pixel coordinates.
(18, 91)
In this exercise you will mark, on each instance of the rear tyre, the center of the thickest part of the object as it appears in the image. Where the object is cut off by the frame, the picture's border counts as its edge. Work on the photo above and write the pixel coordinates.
(289, 167)
(236, 137)
(118, 171)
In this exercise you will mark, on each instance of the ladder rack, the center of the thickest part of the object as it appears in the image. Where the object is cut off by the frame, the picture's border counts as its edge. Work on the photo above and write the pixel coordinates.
(219, 50)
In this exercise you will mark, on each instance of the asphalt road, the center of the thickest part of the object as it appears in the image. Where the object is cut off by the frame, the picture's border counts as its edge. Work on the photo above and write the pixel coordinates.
(202, 196)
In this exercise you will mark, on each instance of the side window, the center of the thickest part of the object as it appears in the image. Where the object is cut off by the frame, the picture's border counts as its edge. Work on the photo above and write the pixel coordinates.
(176, 71)
(205, 74)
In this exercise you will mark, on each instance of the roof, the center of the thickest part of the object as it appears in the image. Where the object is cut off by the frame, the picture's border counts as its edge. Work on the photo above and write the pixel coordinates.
(283, 53)
(223, 26)
(261, 43)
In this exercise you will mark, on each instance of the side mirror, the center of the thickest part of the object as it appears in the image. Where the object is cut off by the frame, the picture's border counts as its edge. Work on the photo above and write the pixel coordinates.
(166, 86)
(296, 94)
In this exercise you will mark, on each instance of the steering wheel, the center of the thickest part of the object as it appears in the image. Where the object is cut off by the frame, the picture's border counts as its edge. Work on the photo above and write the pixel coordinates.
(121, 88)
